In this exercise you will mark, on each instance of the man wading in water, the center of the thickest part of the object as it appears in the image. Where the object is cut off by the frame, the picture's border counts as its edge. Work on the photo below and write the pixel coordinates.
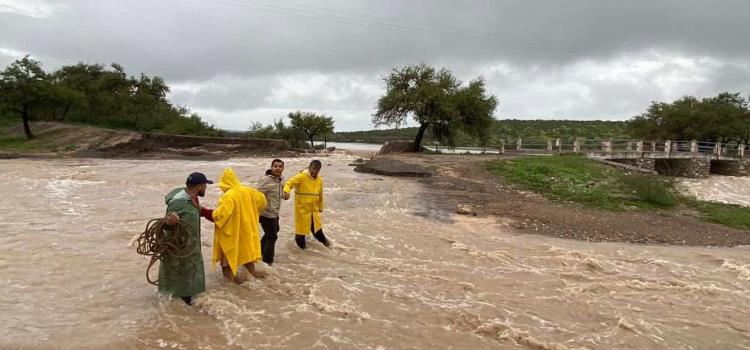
(308, 204)
(184, 276)
(236, 238)
(272, 187)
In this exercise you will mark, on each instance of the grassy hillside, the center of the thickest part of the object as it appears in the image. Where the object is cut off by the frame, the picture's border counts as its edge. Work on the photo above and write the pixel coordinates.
(504, 129)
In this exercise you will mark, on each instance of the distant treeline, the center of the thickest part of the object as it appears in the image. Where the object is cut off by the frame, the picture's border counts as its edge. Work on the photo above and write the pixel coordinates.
(722, 118)
(503, 129)
(96, 95)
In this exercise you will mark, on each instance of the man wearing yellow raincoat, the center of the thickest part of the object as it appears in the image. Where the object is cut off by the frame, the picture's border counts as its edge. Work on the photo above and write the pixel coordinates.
(236, 237)
(308, 204)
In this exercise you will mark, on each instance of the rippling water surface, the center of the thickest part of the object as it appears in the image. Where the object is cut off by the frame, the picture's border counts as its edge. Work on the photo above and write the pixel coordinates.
(394, 280)
(724, 189)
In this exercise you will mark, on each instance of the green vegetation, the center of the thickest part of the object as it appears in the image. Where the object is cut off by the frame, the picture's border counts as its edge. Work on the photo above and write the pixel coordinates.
(509, 129)
(276, 130)
(565, 129)
(438, 102)
(578, 179)
(16, 142)
(311, 124)
(94, 95)
(723, 118)
(304, 126)
(735, 216)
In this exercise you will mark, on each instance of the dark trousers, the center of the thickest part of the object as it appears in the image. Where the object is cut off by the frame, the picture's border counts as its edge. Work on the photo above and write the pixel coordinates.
(268, 242)
(300, 239)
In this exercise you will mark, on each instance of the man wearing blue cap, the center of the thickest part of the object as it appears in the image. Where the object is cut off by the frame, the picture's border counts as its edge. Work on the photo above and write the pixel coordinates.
(183, 276)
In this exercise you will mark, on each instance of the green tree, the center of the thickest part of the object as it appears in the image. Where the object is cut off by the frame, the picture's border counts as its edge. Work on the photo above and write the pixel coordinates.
(81, 81)
(435, 99)
(24, 86)
(326, 129)
(95, 95)
(260, 131)
(277, 130)
(476, 109)
(311, 124)
(62, 99)
(728, 117)
(722, 118)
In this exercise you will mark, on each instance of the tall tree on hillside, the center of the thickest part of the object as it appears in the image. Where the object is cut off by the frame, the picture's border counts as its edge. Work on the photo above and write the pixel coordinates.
(435, 99)
(311, 124)
(24, 86)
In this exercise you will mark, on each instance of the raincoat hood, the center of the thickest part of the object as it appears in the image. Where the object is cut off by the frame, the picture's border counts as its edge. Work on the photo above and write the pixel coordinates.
(177, 193)
(229, 180)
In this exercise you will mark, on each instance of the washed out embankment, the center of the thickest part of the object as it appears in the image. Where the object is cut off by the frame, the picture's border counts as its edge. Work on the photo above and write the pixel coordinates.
(69, 140)
(455, 181)
(150, 145)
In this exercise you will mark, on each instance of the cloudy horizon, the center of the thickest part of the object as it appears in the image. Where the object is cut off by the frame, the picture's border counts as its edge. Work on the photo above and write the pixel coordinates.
(235, 62)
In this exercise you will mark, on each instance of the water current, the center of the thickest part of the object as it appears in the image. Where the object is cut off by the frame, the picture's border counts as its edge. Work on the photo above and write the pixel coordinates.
(395, 278)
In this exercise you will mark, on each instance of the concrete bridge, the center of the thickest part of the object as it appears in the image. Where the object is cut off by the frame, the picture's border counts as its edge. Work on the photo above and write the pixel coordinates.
(693, 159)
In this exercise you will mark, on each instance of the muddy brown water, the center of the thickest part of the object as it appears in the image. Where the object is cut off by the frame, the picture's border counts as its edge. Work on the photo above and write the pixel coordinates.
(724, 189)
(396, 278)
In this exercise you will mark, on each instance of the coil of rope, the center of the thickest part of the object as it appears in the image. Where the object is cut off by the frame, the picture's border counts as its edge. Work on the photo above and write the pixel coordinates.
(160, 240)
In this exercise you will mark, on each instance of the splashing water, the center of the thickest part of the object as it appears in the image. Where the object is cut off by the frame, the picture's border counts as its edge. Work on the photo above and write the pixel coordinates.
(394, 279)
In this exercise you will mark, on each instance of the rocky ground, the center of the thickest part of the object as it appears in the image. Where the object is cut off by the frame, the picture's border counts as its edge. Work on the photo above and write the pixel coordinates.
(452, 182)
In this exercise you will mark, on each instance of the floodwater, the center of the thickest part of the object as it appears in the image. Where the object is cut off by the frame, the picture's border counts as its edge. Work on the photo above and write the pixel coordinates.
(724, 189)
(355, 146)
(400, 276)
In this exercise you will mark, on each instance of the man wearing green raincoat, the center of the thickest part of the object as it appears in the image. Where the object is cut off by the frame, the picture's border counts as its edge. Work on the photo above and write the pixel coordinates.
(184, 277)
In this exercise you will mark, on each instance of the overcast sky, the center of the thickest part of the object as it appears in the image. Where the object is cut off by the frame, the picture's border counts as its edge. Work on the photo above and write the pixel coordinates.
(239, 61)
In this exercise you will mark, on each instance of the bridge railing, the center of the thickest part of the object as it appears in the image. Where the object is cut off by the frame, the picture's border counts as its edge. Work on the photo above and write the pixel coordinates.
(626, 148)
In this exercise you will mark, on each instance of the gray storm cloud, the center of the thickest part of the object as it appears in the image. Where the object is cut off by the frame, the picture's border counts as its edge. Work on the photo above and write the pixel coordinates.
(239, 60)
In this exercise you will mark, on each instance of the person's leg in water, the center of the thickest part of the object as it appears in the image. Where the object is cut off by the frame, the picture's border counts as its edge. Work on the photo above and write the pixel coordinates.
(322, 238)
(226, 270)
(187, 300)
(257, 274)
(268, 242)
(300, 240)
(319, 234)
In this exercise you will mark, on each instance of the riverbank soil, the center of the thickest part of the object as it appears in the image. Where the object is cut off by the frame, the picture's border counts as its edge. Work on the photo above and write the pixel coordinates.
(54, 139)
(463, 180)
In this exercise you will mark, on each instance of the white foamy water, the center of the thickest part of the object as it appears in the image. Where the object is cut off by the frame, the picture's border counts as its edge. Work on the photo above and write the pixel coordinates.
(394, 280)
(723, 189)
